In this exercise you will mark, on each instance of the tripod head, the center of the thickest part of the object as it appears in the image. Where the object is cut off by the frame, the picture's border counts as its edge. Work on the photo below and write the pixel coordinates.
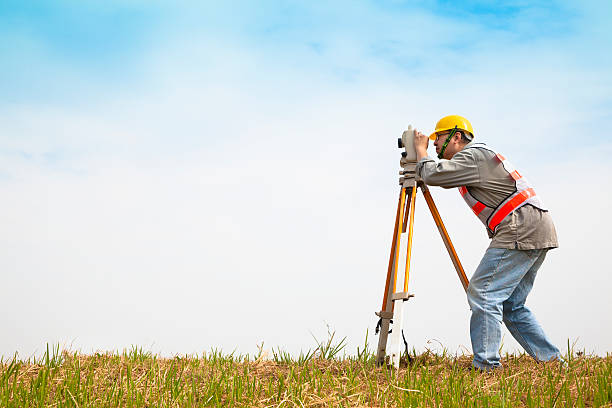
(409, 158)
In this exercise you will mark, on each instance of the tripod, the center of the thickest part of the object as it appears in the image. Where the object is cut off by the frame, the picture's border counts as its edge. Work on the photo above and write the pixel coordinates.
(393, 301)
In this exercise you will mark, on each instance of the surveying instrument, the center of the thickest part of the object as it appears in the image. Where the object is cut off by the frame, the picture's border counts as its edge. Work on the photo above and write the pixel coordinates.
(392, 310)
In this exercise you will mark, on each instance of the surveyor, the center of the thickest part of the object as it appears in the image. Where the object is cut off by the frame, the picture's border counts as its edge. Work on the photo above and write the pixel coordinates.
(519, 226)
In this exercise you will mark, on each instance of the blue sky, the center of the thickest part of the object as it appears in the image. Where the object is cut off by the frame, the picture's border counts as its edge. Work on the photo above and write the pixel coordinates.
(105, 42)
(90, 54)
(154, 153)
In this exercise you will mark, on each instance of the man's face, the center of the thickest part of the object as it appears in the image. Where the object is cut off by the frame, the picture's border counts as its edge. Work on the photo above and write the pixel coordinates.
(454, 145)
(439, 142)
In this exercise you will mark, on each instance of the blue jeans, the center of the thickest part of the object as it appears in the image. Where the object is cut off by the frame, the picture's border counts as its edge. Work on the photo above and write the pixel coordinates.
(498, 290)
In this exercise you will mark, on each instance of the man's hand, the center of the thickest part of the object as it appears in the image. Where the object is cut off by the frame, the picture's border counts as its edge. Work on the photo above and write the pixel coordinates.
(421, 142)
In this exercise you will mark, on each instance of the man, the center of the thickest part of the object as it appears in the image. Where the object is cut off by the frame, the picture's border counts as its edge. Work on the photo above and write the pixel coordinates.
(521, 232)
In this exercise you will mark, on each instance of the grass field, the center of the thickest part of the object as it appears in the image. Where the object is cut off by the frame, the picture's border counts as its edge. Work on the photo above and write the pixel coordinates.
(320, 378)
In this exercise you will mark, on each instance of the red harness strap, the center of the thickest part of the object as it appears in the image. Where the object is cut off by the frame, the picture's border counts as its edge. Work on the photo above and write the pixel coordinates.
(509, 207)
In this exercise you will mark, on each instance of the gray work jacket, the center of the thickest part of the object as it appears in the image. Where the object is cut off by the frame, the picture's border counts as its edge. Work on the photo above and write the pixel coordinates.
(527, 227)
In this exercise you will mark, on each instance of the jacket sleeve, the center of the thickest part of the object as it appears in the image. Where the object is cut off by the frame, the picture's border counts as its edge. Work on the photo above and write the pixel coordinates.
(461, 170)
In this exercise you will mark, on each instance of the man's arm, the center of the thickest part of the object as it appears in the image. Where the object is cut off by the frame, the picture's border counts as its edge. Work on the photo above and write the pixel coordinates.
(461, 170)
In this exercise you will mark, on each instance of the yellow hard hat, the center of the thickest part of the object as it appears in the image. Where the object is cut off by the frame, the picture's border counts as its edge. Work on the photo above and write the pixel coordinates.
(450, 122)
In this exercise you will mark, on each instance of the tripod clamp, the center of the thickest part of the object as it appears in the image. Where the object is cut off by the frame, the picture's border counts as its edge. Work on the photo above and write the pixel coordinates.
(408, 174)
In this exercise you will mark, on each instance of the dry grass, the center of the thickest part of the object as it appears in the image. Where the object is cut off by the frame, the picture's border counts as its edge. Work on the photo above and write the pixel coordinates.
(138, 379)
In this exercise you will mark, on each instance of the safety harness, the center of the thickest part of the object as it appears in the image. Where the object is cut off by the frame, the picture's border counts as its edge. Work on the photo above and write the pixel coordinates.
(523, 194)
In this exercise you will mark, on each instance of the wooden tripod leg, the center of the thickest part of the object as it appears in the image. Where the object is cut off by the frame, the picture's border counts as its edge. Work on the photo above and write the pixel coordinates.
(410, 228)
(393, 256)
(397, 240)
(386, 312)
(390, 269)
(406, 216)
(447, 241)
(394, 348)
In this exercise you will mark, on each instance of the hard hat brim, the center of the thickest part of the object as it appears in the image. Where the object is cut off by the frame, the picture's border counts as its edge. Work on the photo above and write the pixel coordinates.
(433, 135)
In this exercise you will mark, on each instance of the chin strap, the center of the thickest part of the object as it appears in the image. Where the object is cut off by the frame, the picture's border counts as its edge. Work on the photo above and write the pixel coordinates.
(450, 136)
